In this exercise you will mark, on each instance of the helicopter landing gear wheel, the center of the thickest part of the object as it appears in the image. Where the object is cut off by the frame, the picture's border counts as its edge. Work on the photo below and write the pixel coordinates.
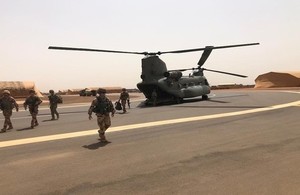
(204, 97)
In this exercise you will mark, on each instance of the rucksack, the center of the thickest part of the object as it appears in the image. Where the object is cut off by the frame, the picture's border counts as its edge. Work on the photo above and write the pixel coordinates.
(59, 99)
(102, 107)
(118, 105)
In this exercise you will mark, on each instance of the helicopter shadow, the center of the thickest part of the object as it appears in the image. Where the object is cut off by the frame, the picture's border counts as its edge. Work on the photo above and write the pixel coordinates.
(214, 106)
(201, 100)
(190, 100)
(214, 99)
(228, 96)
(251, 107)
(95, 146)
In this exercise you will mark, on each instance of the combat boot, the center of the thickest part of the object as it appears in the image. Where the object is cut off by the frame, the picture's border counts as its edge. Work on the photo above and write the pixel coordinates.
(102, 137)
(10, 127)
(3, 130)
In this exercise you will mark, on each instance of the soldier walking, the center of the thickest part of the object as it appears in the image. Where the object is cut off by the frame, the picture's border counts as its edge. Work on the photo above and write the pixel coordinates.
(124, 97)
(33, 102)
(102, 107)
(7, 104)
(54, 99)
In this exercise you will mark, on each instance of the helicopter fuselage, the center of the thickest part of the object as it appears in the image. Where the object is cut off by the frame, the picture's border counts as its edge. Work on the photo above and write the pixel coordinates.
(170, 85)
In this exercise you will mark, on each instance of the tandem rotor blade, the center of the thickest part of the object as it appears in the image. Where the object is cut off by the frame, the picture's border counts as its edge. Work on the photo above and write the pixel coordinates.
(205, 55)
(212, 47)
(95, 50)
(229, 73)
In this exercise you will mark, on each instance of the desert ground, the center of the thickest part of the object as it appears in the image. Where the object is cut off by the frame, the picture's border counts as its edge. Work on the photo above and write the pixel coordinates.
(237, 142)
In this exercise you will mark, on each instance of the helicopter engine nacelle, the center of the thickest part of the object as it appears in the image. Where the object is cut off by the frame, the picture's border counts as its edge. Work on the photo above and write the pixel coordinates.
(173, 75)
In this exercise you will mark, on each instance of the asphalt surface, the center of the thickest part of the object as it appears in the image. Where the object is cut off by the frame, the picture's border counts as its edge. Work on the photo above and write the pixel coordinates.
(237, 142)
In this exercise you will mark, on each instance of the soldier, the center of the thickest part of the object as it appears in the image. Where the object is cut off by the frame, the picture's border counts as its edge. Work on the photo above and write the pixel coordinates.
(33, 102)
(102, 106)
(54, 99)
(124, 97)
(7, 104)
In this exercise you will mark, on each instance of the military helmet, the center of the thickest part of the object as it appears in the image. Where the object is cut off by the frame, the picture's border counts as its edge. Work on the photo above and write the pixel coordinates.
(101, 90)
(51, 91)
(6, 92)
(124, 89)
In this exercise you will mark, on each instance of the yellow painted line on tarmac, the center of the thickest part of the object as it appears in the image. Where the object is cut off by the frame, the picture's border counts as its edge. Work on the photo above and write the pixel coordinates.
(141, 125)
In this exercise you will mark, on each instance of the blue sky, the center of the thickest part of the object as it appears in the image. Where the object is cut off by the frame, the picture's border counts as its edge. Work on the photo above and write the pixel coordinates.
(28, 27)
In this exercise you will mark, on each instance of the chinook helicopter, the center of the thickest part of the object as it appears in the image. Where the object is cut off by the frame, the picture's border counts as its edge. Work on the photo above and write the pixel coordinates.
(160, 85)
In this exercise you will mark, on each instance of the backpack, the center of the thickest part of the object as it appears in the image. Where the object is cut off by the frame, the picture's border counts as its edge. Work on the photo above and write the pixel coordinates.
(59, 99)
(102, 107)
(31, 101)
(118, 105)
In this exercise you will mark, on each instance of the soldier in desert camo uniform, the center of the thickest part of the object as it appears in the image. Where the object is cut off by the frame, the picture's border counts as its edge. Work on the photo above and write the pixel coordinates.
(124, 98)
(102, 107)
(33, 102)
(7, 104)
(54, 99)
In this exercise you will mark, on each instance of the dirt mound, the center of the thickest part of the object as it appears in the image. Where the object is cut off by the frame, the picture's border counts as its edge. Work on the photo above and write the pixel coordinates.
(19, 88)
(278, 79)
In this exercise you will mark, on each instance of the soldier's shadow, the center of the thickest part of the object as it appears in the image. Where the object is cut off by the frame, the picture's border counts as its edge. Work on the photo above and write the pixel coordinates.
(49, 120)
(96, 145)
(24, 129)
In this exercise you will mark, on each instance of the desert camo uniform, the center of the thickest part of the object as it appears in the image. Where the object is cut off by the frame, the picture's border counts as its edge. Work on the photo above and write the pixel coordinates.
(102, 107)
(124, 97)
(53, 101)
(7, 104)
(33, 102)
